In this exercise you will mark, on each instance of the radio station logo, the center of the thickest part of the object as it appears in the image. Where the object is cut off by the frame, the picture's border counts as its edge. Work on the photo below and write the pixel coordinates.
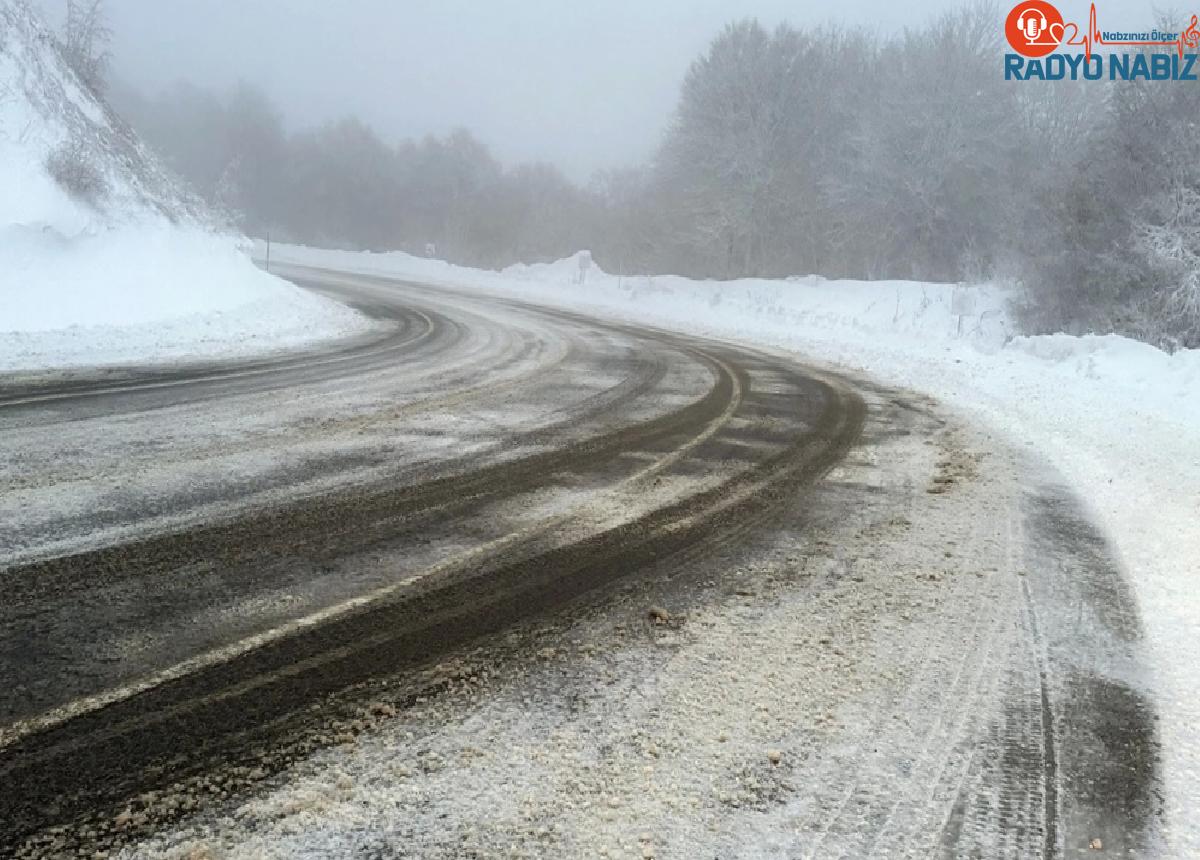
(1048, 48)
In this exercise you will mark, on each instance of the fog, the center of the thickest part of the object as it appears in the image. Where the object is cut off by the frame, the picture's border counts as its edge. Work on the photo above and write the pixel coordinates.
(713, 140)
(585, 86)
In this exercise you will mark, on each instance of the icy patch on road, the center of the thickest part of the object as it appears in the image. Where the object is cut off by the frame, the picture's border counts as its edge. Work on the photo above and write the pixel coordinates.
(1119, 419)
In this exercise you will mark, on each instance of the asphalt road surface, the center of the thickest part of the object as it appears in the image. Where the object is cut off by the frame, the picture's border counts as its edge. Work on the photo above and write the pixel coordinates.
(198, 561)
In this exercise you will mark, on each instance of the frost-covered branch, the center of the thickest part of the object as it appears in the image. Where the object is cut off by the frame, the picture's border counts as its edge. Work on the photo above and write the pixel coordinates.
(85, 42)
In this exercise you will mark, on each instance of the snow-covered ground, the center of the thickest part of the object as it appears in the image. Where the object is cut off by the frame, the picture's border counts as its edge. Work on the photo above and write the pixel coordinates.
(104, 258)
(1119, 419)
(144, 294)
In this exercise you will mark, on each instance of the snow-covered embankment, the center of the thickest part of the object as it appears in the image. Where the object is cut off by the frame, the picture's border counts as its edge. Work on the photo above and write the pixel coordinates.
(104, 258)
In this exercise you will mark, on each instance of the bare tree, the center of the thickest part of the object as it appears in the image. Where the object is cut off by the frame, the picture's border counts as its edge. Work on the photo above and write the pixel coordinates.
(85, 42)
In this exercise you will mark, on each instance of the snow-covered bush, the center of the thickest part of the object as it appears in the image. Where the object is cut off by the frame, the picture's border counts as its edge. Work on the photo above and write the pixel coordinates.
(74, 169)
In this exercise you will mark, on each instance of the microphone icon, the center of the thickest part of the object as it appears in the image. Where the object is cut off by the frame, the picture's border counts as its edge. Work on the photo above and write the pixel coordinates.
(1031, 23)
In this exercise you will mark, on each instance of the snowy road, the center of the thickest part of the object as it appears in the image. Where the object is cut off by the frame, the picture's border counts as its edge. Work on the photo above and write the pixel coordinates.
(215, 576)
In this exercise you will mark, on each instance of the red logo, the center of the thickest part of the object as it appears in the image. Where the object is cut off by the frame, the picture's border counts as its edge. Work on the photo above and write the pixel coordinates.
(1034, 28)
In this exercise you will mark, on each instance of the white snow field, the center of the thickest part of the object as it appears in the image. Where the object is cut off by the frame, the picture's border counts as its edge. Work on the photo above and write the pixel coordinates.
(1119, 419)
(113, 262)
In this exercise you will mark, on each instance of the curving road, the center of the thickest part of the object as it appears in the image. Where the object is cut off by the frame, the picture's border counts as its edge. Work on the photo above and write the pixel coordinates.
(196, 559)
(210, 573)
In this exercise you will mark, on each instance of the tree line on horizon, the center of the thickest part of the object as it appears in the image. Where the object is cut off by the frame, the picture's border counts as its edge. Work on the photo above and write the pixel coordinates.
(834, 151)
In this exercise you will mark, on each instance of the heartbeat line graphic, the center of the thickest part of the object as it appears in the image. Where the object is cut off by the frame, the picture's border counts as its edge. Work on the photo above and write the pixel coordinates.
(1070, 35)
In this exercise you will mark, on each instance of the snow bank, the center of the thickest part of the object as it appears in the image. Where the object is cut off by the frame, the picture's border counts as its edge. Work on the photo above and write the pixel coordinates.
(1172, 379)
(144, 294)
(133, 271)
(148, 293)
(959, 324)
(1119, 420)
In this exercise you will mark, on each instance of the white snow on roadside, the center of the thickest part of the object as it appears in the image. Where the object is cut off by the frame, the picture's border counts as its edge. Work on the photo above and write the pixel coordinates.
(147, 294)
(1119, 419)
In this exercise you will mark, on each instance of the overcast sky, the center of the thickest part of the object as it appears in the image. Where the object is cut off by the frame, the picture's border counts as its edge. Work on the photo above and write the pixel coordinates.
(585, 85)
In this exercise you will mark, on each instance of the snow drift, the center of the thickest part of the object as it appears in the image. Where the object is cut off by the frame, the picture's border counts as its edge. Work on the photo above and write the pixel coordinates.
(104, 257)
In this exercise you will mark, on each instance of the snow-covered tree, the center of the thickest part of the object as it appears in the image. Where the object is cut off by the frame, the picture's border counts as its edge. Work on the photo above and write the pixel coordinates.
(85, 42)
(933, 173)
(1169, 238)
(761, 119)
